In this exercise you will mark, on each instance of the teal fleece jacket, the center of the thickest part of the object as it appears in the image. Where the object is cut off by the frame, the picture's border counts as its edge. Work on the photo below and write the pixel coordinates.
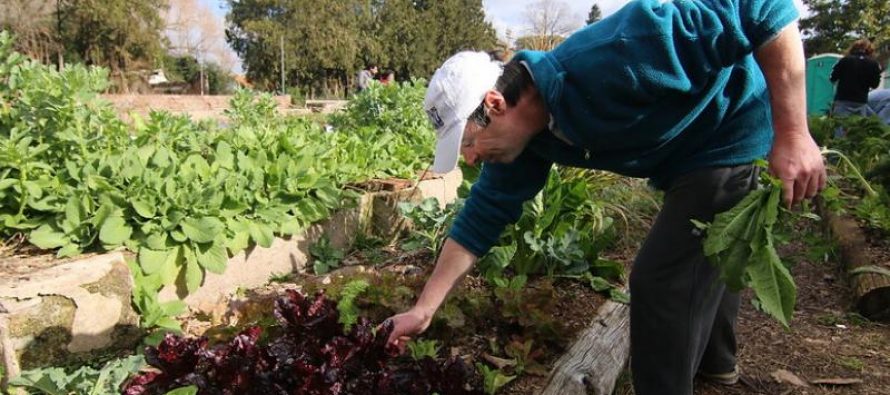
(655, 90)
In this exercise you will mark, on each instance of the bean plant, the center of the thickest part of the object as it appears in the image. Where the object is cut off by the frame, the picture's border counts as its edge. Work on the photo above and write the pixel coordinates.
(182, 195)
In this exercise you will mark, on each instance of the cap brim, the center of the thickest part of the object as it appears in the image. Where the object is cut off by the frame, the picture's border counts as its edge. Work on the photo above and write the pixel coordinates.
(448, 148)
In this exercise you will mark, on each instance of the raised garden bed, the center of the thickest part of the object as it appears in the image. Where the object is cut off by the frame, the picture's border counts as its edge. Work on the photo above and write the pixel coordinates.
(56, 312)
(477, 324)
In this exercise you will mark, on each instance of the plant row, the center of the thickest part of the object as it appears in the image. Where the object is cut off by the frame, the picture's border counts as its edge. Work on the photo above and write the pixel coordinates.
(182, 195)
(859, 151)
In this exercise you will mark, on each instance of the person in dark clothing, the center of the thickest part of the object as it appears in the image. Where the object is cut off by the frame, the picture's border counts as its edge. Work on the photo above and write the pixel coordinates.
(855, 74)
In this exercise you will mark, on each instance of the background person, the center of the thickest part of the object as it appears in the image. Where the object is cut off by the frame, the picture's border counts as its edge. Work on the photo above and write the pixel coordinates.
(855, 74)
(364, 78)
(676, 97)
(387, 77)
(879, 102)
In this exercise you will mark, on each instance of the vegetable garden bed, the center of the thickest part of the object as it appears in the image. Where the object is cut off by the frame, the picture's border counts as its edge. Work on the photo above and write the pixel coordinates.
(480, 324)
(54, 314)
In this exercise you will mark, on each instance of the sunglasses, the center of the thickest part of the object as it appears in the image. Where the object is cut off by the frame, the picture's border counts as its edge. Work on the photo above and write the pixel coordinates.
(479, 116)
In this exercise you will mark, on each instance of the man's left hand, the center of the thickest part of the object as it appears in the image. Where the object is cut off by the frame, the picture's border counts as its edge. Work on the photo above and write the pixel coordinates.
(796, 160)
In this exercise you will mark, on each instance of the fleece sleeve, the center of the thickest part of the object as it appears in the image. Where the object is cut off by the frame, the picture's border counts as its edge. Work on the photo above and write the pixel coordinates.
(496, 200)
(724, 30)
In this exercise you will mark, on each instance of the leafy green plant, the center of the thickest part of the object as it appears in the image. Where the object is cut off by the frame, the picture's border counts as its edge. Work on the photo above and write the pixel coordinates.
(530, 308)
(325, 256)
(493, 379)
(183, 196)
(190, 390)
(84, 380)
(861, 159)
(429, 223)
(740, 243)
(346, 305)
(561, 231)
(420, 349)
(153, 314)
(526, 357)
(600, 284)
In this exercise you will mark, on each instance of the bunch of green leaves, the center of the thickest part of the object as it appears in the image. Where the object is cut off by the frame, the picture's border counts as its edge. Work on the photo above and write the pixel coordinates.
(420, 349)
(325, 256)
(349, 312)
(741, 244)
(492, 379)
(875, 210)
(561, 231)
(85, 380)
(430, 222)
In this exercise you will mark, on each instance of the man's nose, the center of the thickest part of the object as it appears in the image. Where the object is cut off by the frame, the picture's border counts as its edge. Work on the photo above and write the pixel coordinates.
(469, 155)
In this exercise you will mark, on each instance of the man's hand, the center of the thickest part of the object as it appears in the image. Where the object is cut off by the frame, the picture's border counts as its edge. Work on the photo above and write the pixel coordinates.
(453, 264)
(796, 160)
(407, 324)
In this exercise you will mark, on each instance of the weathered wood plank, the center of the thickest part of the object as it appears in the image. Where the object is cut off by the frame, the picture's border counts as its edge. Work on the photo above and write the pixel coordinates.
(597, 358)
(872, 290)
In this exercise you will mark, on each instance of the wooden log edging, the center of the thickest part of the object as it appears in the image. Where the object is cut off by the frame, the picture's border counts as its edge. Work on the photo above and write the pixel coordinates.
(871, 290)
(597, 358)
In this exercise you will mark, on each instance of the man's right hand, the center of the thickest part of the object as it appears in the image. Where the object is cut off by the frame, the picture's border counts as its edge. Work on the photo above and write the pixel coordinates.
(453, 264)
(407, 324)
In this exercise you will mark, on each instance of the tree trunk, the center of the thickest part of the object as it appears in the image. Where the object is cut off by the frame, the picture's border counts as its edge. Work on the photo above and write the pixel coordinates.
(594, 362)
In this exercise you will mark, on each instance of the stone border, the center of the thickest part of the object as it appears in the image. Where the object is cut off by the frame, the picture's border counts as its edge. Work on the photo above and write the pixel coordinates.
(196, 106)
(70, 312)
(66, 313)
(872, 290)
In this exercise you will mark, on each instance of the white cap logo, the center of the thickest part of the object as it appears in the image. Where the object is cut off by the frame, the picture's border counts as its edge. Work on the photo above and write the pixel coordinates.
(436, 120)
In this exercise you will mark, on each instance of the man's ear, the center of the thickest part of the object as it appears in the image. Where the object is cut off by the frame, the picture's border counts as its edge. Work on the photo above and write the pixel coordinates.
(495, 102)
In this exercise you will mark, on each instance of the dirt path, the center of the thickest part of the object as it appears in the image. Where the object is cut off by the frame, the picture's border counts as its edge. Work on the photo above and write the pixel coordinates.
(827, 341)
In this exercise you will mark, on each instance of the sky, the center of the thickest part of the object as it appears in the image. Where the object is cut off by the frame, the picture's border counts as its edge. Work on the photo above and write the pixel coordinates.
(505, 14)
(509, 14)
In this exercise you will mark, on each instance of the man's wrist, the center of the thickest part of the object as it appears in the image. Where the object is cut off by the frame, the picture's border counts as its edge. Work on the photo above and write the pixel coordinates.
(424, 312)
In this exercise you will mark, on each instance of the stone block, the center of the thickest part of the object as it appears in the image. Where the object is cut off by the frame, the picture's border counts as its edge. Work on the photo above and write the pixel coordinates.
(66, 314)
(255, 266)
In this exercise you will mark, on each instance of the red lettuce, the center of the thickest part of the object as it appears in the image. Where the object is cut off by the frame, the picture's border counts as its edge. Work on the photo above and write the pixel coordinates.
(309, 355)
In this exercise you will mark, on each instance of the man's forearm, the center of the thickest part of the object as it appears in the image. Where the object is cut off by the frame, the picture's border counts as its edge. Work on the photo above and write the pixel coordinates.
(453, 264)
(783, 65)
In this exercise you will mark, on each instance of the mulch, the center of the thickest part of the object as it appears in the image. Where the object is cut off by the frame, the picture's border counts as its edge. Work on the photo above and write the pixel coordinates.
(829, 348)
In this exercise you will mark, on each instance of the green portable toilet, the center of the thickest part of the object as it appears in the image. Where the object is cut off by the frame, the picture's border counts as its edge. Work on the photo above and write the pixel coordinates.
(820, 90)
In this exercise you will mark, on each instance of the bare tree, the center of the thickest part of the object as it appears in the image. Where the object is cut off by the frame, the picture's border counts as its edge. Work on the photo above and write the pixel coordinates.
(549, 22)
(34, 24)
(193, 30)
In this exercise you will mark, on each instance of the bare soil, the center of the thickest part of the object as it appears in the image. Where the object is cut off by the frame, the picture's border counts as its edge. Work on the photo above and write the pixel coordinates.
(827, 341)
(19, 259)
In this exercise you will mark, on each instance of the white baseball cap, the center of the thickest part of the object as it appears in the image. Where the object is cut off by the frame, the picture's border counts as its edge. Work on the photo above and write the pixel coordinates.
(455, 91)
